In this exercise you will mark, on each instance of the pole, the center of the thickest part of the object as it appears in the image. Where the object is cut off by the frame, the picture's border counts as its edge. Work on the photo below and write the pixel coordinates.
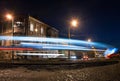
(69, 44)
(12, 40)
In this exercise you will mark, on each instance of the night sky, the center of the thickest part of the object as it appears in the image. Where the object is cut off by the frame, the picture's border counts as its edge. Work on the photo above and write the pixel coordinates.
(99, 19)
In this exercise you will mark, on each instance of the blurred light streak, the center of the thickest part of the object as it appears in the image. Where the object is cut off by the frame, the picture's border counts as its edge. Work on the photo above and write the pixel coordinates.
(55, 40)
(110, 51)
(55, 46)
(43, 54)
(13, 48)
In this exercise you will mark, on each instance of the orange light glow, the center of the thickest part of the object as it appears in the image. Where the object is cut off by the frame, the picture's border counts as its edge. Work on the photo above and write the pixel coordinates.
(9, 16)
(74, 23)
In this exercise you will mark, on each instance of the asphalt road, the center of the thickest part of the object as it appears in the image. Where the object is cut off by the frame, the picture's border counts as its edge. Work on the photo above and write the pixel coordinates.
(102, 72)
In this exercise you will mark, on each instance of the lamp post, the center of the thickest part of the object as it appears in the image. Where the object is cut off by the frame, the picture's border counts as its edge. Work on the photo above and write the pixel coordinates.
(10, 17)
(94, 50)
(73, 23)
(88, 40)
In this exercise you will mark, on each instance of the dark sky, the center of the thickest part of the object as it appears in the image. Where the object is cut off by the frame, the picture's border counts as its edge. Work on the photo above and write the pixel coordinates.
(99, 19)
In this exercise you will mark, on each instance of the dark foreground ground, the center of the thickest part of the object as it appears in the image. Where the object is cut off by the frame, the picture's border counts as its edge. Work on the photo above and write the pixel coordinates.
(84, 71)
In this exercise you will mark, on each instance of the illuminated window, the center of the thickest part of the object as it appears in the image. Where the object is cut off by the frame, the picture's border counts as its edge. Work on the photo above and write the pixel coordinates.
(18, 24)
(42, 30)
(31, 27)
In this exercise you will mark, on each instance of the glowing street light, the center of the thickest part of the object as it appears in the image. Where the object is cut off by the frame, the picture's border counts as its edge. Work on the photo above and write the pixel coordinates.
(9, 16)
(94, 50)
(89, 40)
(73, 23)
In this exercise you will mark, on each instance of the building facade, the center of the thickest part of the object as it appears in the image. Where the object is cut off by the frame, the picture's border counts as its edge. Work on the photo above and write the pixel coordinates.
(25, 25)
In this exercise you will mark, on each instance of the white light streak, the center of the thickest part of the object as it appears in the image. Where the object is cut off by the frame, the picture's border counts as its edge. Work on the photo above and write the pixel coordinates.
(39, 54)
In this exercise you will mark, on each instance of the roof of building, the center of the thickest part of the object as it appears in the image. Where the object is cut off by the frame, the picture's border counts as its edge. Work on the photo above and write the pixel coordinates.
(41, 22)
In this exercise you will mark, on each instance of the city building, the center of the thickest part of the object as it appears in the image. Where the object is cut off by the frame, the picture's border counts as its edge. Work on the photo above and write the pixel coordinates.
(25, 25)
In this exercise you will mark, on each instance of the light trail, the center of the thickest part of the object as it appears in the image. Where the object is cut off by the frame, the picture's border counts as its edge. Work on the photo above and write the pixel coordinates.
(14, 48)
(67, 48)
(110, 51)
(56, 46)
(55, 40)
(41, 44)
(43, 54)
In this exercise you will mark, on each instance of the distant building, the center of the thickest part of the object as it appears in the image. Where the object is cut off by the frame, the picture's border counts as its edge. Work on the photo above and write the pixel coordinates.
(25, 25)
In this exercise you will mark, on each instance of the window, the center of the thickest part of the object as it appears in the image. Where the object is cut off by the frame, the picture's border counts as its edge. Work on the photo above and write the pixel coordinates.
(31, 27)
(18, 24)
(42, 30)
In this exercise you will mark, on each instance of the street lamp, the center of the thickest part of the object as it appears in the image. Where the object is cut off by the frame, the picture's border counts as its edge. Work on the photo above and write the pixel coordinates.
(94, 50)
(73, 23)
(89, 40)
(10, 17)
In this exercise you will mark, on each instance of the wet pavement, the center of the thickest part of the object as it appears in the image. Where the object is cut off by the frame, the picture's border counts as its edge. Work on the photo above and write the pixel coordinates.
(97, 73)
